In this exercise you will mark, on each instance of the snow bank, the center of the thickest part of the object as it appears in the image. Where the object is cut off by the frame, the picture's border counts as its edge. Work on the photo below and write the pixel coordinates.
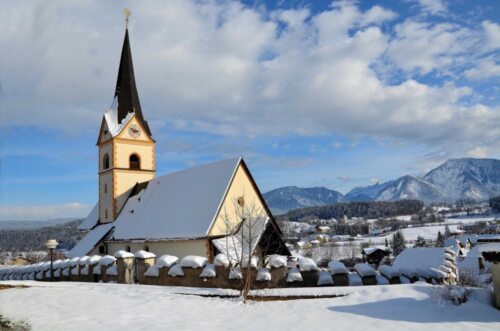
(176, 271)
(325, 278)
(121, 254)
(364, 270)
(235, 273)
(144, 255)
(208, 271)
(221, 260)
(307, 264)
(264, 275)
(152, 271)
(337, 267)
(354, 279)
(166, 261)
(389, 271)
(294, 275)
(277, 261)
(193, 261)
(107, 260)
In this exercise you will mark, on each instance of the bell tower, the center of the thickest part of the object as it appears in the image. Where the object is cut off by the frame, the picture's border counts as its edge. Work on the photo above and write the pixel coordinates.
(126, 146)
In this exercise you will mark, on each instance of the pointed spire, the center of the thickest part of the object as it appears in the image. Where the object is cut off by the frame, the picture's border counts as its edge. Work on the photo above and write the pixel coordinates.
(126, 90)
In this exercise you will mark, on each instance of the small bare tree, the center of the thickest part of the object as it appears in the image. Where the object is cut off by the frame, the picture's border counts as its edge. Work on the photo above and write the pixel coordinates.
(242, 229)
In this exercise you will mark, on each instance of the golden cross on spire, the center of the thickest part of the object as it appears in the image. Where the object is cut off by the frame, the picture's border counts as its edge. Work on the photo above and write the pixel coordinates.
(127, 14)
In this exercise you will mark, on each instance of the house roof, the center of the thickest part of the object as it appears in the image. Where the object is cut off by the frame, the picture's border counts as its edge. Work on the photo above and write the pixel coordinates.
(85, 245)
(423, 258)
(91, 220)
(177, 206)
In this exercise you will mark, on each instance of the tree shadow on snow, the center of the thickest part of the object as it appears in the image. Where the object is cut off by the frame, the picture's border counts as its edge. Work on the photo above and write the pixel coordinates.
(421, 311)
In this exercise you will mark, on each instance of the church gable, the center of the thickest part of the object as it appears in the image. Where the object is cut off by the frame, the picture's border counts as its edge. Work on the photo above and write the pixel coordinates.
(241, 194)
(134, 130)
(104, 133)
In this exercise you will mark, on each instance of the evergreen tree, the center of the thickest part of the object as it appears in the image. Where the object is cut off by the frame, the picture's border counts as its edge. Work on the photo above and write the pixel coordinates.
(420, 242)
(398, 243)
(440, 240)
(447, 232)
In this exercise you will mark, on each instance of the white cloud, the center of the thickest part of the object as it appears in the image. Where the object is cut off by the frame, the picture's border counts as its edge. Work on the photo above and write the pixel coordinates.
(492, 35)
(434, 7)
(44, 212)
(479, 151)
(486, 68)
(344, 179)
(224, 68)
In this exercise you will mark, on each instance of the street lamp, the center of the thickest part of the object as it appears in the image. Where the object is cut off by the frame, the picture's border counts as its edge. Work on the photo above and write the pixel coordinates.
(51, 245)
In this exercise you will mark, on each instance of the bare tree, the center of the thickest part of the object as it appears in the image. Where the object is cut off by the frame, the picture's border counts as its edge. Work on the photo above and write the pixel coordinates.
(243, 229)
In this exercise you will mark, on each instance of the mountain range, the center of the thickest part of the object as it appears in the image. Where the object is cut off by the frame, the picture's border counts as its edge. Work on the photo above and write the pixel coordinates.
(465, 178)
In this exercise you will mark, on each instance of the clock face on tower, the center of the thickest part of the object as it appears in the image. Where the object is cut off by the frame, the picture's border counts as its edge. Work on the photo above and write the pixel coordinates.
(134, 131)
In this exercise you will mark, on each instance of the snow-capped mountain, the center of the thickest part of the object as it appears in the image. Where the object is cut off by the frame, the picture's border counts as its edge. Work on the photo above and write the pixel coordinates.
(455, 179)
(409, 187)
(467, 178)
(286, 198)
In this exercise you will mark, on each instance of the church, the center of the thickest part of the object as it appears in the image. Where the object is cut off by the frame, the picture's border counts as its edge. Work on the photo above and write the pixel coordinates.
(189, 212)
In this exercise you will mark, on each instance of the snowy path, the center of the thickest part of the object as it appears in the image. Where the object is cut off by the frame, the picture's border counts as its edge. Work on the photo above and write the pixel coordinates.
(91, 306)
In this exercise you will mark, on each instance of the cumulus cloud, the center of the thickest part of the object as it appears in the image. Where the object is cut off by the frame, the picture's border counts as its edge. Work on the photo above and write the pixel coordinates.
(44, 212)
(486, 68)
(434, 7)
(344, 179)
(231, 70)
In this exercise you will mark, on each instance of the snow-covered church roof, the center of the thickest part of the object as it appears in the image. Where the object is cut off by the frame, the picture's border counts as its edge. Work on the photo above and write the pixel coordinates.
(91, 220)
(177, 206)
(87, 243)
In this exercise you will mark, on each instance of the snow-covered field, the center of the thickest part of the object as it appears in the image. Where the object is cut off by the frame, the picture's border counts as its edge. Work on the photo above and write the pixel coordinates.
(428, 232)
(91, 306)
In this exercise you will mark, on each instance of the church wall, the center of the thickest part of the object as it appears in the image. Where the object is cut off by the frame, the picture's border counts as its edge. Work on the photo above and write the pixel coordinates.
(126, 179)
(107, 148)
(241, 186)
(179, 248)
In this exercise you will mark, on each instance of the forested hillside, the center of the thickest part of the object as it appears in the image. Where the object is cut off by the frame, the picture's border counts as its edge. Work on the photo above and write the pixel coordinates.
(372, 209)
(25, 240)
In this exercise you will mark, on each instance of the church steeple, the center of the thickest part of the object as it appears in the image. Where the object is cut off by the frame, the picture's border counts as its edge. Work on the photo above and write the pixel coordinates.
(126, 89)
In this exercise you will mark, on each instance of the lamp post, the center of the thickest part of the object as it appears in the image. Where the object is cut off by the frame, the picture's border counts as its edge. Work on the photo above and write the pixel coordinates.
(51, 245)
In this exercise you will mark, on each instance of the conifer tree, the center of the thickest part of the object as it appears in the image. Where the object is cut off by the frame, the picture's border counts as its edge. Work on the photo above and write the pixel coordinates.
(440, 240)
(420, 242)
(447, 231)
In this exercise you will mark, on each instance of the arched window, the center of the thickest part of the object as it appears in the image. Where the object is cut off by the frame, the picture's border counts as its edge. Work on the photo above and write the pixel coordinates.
(135, 162)
(105, 161)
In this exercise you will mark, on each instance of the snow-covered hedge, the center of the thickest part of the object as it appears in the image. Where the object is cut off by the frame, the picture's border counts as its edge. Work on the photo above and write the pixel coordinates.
(176, 271)
(144, 255)
(152, 271)
(235, 273)
(337, 267)
(354, 279)
(193, 261)
(307, 264)
(294, 275)
(221, 260)
(381, 280)
(107, 260)
(208, 271)
(325, 278)
(121, 254)
(254, 260)
(389, 271)
(166, 261)
(277, 261)
(364, 270)
(264, 275)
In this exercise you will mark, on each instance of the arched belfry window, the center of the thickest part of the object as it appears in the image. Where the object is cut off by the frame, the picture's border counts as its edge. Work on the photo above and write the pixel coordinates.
(135, 162)
(105, 161)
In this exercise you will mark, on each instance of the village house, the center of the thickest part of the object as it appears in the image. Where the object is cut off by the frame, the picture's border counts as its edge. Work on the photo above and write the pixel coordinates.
(373, 255)
(182, 213)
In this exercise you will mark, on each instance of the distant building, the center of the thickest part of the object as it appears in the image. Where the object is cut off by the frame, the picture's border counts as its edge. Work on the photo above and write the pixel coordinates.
(374, 255)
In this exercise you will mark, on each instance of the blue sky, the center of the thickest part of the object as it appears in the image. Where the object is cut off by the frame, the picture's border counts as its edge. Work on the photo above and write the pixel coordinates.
(319, 93)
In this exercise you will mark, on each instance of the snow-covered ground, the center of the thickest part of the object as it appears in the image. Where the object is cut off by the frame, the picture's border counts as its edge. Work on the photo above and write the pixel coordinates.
(91, 306)
(428, 232)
